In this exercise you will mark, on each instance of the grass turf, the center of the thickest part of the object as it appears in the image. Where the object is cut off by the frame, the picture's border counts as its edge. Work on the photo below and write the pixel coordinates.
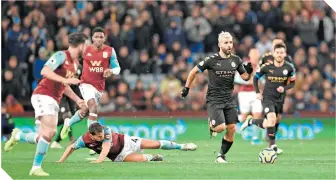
(309, 159)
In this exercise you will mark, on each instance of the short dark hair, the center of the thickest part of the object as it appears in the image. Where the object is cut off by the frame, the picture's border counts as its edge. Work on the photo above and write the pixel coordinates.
(277, 38)
(95, 128)
(280, 45)
(98, 29)
(77, 38)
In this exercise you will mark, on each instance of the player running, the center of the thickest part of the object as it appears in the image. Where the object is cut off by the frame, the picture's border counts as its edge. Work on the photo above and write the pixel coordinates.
(119, 147)
(247, 98)
(57, 74)
(268, 57)
(280, 76)
(99, 62)
(67, 109)
(221, 105)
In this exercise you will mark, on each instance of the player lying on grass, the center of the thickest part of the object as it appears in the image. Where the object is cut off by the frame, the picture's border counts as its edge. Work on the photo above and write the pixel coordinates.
(119, 147)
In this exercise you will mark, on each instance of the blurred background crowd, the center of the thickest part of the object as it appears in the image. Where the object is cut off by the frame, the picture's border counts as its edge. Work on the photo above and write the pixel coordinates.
(157, 43)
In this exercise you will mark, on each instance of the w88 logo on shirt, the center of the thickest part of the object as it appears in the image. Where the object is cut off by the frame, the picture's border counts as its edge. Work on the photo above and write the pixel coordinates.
(96, 67)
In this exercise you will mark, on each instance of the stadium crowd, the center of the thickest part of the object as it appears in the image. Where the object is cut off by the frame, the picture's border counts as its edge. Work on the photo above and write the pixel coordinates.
(157, 43)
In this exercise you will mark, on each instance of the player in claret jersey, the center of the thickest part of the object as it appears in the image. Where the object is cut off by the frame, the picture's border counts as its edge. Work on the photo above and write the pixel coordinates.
(247, 97)
(119, 147)
(99, 62)
(58, 74)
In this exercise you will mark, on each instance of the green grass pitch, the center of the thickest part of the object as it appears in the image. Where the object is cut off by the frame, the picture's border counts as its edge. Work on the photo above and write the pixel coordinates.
(309, 159)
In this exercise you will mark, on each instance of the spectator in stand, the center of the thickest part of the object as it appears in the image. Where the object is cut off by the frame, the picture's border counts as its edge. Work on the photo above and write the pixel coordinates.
(307, 30)
(7, 123)
(148, 39)
(106, 105)
(114, 37)
(39, 63)
(173, 34)
(14, 37)
(13, 65)
(144, 66)
(196, 28)
(13, 106)
(142, 35)
(138, 96)
(124, 59)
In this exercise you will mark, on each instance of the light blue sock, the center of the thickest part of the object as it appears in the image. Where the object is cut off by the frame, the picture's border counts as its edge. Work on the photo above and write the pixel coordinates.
(75, 118)
(89, 122)
(167, 145)
(27, 137)
(149, 157)
(41, 150)
(92, 119)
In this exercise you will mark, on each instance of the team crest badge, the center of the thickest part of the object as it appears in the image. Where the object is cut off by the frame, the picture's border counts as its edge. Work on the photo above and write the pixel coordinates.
(53, 60)
(213, 122)
(233, 64)
(105, 54)
(285, 72)
(201, 63)
(266, 110)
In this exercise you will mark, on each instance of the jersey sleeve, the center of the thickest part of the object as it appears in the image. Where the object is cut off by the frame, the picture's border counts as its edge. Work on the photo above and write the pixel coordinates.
(79, 143)
(114, 60)
(240, 67)
(203, 65)
(114, 64)
(56, 60)
(291, 73)
(107, 134)
(262, 71)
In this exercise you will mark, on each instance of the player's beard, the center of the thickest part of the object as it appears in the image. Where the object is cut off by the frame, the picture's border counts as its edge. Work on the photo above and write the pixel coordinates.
(279, 60)
(226, 51)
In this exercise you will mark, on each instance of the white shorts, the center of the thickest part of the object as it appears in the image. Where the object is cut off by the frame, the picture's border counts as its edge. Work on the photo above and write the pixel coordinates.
(89, 92)
(248, 102)
(132, 144)
(44, 105)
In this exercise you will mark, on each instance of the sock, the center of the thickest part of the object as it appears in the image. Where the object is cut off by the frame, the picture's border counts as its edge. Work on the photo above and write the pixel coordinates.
(257, 122)
(26, 137)
(255, 133)
(240, 118)
(276, 128)
(58, 138)
(167, 145)
(74, 119)
(70, 133)
(41, 150)
(271, 135)
(149, 157)
(37, 125)
(226, 145)
(92, 119)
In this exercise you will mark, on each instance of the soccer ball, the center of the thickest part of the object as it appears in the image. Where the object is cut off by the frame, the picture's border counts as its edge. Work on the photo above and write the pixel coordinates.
(267, 156)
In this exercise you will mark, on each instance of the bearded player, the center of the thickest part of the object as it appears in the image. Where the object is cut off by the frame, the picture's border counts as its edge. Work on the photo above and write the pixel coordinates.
(277, 75)
(58, 73)
(99, 62)
(221, 105)
(247, 98)
(119, 147)
(268, 57)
